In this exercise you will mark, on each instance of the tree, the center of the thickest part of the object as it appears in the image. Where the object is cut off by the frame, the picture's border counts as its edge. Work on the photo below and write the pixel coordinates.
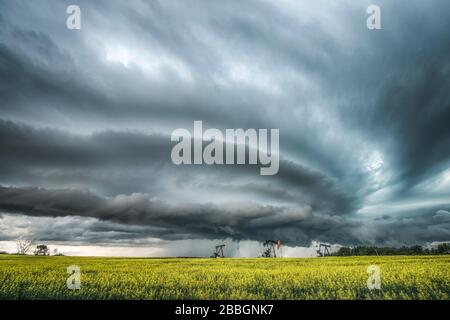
(417, 249)
(344, 251)
(42, 250)
(443, 248)
(23, 246)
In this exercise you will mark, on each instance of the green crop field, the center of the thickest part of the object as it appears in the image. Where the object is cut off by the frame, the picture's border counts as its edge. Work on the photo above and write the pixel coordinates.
(402, 277)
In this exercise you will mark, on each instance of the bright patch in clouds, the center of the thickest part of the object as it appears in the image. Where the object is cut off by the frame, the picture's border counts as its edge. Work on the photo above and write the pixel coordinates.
(155, 65)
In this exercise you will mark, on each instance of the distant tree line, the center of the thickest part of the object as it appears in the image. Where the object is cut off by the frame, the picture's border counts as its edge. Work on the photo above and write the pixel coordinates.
(25, 246)
(443, 248)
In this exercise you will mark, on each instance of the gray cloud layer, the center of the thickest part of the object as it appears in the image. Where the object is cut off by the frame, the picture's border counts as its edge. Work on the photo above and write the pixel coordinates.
(86, 116)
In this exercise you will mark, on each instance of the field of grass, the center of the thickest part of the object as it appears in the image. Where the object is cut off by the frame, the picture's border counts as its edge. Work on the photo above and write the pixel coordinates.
(402, 277)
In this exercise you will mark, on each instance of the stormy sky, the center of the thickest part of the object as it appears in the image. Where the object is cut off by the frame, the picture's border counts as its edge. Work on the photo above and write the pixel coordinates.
(86, 117)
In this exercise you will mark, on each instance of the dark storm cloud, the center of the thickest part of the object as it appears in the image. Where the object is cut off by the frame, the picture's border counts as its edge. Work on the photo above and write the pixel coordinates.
(362, 116)
(179, 221)
(398, 93)
(37, 154)
(47, 148)
(406, 230)
(76, 229)
(421, 127)
(44, 73)
(139, 216)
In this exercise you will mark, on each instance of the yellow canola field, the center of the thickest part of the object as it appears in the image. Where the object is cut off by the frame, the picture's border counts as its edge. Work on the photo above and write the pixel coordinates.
(402, 277)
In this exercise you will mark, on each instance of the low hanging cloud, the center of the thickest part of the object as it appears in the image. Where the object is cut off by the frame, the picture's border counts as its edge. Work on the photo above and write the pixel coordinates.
(139, 216)
(110, 160)
(239, 221)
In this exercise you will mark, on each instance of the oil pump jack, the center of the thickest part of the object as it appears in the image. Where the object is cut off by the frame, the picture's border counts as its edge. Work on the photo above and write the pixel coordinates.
(219, 252)
(270, 251)
(325, 251)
